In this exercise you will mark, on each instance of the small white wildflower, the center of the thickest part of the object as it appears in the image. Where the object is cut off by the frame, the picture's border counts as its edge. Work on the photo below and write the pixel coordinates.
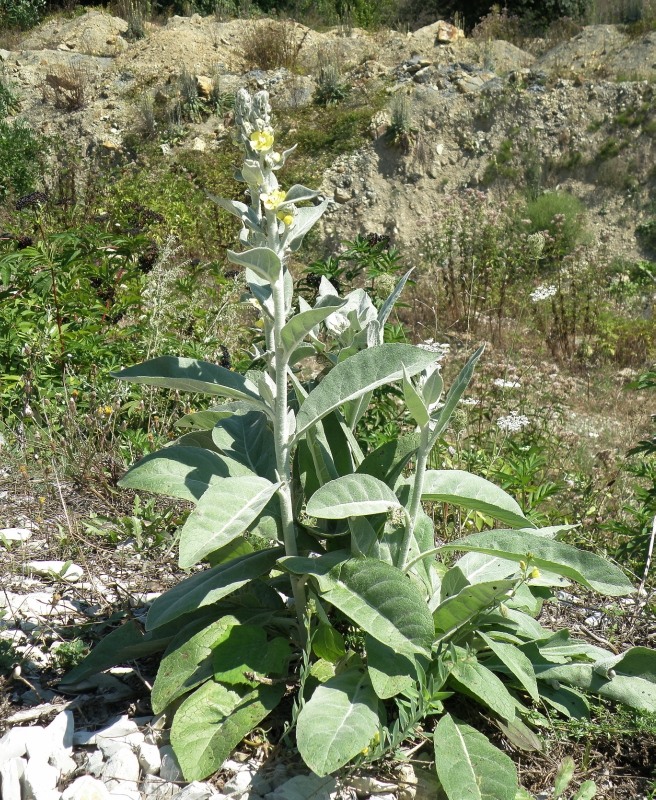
(503, 384)
(543, 293)
(469, 401)
(513, 423)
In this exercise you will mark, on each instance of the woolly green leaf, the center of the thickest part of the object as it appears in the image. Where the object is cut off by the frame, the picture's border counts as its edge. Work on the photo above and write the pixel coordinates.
(304, 219)
(469, 491)
(469, 766)
(301, 324)
(338, 722)
(516, 662)
(378, 597)
(391, 673)
(210, 586)
(261, 260)
(455, 393)
(586, 568)
(224, 512)
(187, 661)
(212, 721)
(248, 439)
(456, 611)
(475, 680)
(183, 472)
(190, 375)
(352, 495)
(388, 461)
(414, 402)
(357, 375)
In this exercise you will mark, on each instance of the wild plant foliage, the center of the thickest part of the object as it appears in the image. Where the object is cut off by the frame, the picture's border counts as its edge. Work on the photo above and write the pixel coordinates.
(320, 580)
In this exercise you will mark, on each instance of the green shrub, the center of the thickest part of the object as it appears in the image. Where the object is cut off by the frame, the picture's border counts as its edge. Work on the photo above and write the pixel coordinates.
(22, 154)
(561, 214)
(8, 100)
(23, 14)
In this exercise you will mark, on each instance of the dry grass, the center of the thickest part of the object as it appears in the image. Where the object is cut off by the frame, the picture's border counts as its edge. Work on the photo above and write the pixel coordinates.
(274, 44)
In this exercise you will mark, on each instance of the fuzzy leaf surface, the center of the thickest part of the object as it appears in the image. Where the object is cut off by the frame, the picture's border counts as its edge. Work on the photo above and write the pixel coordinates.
(376, 596)
(338, 722)
(355, 495)
(469, 491)
(248, 439)
(586, 568)
(212, 721)
(224, 512)
(179, 471)
(469, 766)
(516, 662)
(475, 680)
(301, 324)
(456, 611)
(454, 394)
(190, 375)
(187, 661)
(357, 375)
(390, 672)
(210, 586)
(261, 260)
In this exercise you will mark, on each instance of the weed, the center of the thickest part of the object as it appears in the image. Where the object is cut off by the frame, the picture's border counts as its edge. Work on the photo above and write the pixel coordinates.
(330, 87)
(610, 148)
(273, 44)
(69, 654)
(401, 131)
(22, 158)
(69, 86)
(22, 14)
(9, 102)
(560, 214)
(134, 12)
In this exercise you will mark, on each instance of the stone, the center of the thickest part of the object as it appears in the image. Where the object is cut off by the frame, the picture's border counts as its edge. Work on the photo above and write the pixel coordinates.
(199, 144)
(11, 773)
(122, 767)
(111, 745)
(204, 85)
(343, 195)
(35, 742)
(94, 763)
(154, 788)
(65, 570)
(125, 791)
(195, 791)
(366, 785)
(86, 788)
(170, 769)
(40, 781)
(60, 731)
(240, 781)
(301, 787)
(12, 744)
(14, 534)
(445, 32)
(149, 758)
(61, 761)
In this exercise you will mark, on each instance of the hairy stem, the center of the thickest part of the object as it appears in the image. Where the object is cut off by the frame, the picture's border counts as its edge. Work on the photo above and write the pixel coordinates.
(415, 499)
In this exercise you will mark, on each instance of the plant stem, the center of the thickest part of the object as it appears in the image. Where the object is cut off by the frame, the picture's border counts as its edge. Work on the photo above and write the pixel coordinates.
(415, 500)
(281, 438)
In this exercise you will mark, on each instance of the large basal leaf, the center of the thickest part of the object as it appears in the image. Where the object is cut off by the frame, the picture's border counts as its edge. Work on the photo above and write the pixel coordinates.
(567, 701)
(376, 596)
(516, 663)
(248, 439)
(338, 722)
(245, 649)
(212, 721)
(629, 678)
(183, 472)
(224, 512)
(586, 568)
(469, 491)
(475, 680)
(190, 375)
(391, 673)
(456, 611)
(301, 324)
(261, 260)
(120, 645)
(359, 374)
(209, 586)
(356, 495)
(469, 766)
(187, 661)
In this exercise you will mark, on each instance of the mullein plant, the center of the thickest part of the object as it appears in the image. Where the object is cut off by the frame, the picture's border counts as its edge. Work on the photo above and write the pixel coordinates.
(316, 585)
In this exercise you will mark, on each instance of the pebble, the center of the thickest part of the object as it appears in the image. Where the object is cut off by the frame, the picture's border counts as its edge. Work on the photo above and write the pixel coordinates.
(196, 791)
(155, 788)
(122, 767)
(15, 534)
(64, 570)
(40, 781)
(86, 788)
(170, 769)
(10, 774)
(149, 757)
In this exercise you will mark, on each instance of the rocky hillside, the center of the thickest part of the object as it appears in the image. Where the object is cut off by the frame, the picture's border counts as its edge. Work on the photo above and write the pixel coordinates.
(483, 114)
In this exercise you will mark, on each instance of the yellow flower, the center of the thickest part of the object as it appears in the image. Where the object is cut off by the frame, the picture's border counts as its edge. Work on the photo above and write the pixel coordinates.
(522, 564)
(287, 217)
(261, 141)
(535, 573)
(273, 199)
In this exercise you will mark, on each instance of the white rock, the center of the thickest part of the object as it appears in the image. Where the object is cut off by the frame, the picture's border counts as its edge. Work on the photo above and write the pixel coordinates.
(122, 767)
(10, 774)
(303, 786)
(117, 728)
(240, 782)
(38, 744)
(195, 791)
(154, 788)
(367, 784)
(170, 769)
(149, 757)
(112, 745)
(59, 569)
(199, 144)
(61, 730)
(95, 763)
(86, 788)
(12, 744)
(61, 761)
(15, 534)
(125, 791)
(40, 781)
